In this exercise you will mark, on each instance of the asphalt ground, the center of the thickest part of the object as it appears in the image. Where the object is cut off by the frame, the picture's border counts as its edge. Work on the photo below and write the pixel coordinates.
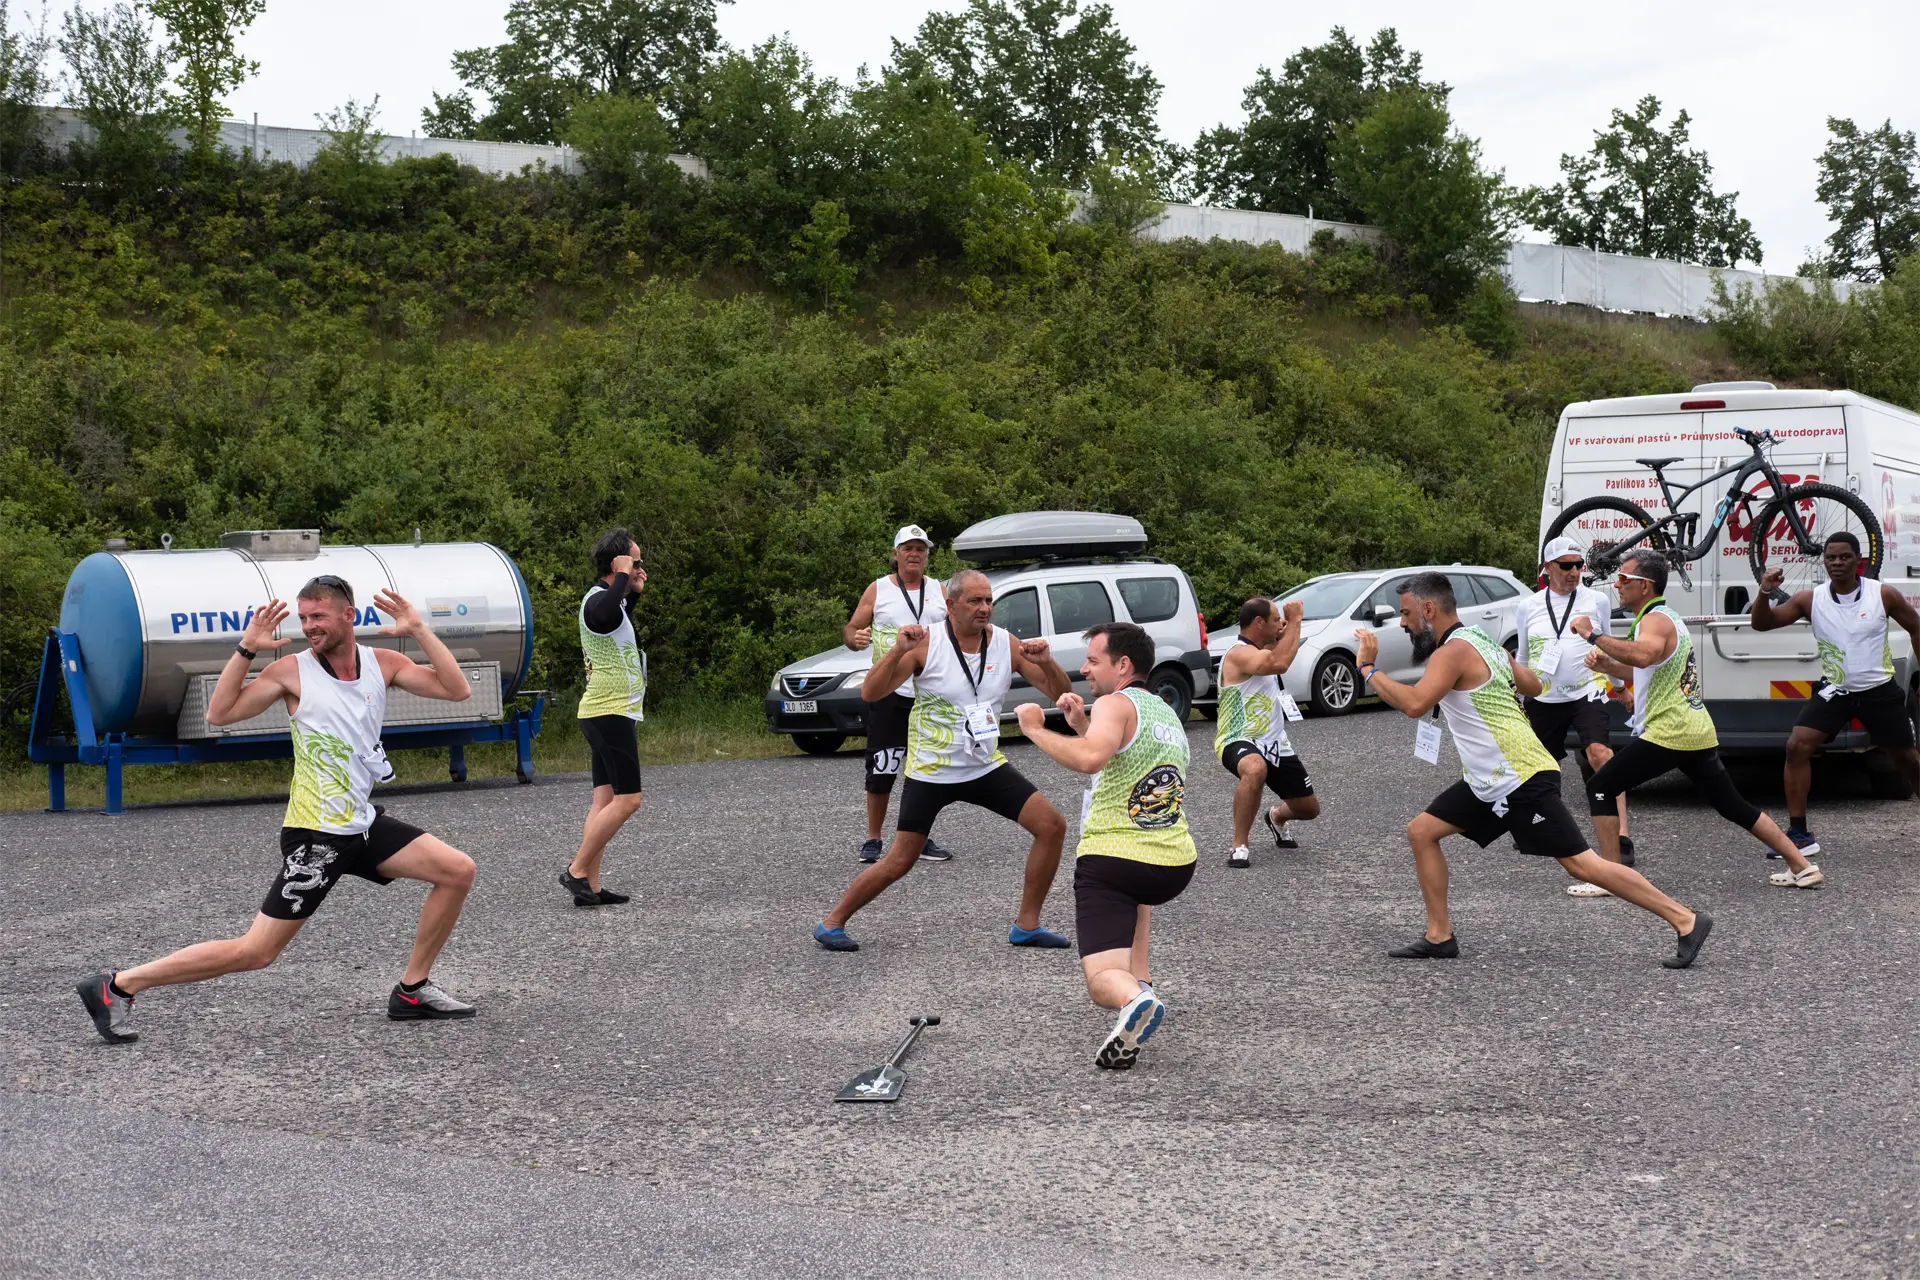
(647, 1088)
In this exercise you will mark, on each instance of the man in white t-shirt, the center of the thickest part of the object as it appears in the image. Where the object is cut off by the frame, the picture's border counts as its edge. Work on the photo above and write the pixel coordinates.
(1573, 697)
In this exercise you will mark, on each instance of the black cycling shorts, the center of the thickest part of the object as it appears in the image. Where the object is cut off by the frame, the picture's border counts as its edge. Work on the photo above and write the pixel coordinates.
(1286, 777)
(1585, 718)
(1642, 761)
(1108, 893)
(616, 753)
(312, 862)
(1881, 711)
(1534, 815)
(1004, 791)
(886, 741)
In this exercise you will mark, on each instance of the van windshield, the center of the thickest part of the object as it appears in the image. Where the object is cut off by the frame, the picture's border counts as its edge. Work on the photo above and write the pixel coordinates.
(1327, 597)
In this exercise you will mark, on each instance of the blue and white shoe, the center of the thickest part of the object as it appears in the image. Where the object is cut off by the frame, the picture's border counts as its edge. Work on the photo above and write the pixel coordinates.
(1136, 1024)
(870, 850)
(931, 852)
(833, 939)
(1802, 840)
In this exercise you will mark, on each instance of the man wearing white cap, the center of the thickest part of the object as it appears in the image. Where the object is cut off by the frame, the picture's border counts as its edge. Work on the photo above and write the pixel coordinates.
(1573, 698)
(903, 598)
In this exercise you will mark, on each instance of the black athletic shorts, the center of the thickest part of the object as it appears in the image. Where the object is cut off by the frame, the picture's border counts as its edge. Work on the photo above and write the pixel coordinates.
(1004, 791)
(1585, 718)
(886, 741)
(1536, 817)
(1287, 779)
(1642, 761)
(616, 753)
(1881, 711)
(1108, 892)
(312, 862)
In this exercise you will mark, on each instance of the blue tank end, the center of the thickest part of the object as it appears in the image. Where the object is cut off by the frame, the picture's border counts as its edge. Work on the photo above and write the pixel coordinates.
(100, 608)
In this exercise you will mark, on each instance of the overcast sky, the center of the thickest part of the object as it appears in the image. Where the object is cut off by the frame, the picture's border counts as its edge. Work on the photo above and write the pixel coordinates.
(1531, 81)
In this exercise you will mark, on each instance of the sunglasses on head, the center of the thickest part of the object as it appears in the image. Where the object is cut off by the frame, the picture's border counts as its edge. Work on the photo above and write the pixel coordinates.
(330, 582)
(1569, 565)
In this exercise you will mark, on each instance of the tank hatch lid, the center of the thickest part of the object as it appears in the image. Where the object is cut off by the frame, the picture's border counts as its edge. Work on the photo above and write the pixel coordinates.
(274, 544)
(1040, 535)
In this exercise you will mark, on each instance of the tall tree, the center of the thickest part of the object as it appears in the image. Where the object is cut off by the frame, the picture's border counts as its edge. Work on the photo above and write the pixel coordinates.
(1049, 84)
(210, 67)
(1871, 187)
(119, 87)
(1642, 191)
(1281, 158)
(23, 83)
(559, 51)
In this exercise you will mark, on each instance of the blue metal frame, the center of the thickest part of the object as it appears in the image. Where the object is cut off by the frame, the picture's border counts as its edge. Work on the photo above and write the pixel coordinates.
(61, 664)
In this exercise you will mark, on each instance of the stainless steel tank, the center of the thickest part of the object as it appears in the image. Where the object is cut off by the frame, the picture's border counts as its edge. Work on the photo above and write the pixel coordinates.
(149, 621)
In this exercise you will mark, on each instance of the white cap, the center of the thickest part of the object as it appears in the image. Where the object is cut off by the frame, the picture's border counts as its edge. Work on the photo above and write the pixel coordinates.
(1562, 547)
(911, 533)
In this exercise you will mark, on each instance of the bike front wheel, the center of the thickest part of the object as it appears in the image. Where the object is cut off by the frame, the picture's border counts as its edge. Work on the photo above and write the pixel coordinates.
(1605, 526)
(1824, 510)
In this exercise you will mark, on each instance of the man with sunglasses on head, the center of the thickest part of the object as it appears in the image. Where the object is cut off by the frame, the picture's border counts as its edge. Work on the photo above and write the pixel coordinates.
(1573, 697)
(610, 707)
(1671, 726)
(335, 692)
(1849, 616)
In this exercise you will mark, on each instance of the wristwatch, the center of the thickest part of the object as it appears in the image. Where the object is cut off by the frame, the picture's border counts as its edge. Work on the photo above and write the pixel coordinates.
(245, 652)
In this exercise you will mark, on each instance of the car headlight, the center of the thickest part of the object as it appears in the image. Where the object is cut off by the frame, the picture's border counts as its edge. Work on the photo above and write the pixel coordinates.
(775, 686)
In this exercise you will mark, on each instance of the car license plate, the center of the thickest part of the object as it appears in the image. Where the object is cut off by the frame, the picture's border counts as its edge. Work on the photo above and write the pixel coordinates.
(807, 708)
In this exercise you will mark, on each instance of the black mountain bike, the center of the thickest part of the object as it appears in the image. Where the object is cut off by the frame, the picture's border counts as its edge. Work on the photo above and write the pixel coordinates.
(1792, 528)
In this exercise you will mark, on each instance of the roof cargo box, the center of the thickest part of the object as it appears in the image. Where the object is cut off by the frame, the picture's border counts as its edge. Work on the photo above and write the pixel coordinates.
(1042, 535)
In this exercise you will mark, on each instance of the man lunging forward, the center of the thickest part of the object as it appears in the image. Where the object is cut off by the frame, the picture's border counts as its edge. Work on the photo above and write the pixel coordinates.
(1511, 786)
(1135, 851)
(962, 670)
(1849, 617)
(1252, 739)
(1672, 728)
(613, 703)
(336, 695)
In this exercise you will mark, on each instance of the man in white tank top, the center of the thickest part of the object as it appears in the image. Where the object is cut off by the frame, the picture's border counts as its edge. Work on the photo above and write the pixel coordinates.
(1850, 617)
(962, 670)
(906, 597)
(336, 694)
(1509, 784)
(1251, 735)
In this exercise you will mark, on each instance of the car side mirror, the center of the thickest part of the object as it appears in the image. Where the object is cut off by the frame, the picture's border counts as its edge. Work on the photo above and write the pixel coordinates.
(1383, 614)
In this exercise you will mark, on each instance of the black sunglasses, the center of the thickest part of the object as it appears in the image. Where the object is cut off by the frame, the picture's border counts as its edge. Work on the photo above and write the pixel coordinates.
(1569, 565)
(330, 582)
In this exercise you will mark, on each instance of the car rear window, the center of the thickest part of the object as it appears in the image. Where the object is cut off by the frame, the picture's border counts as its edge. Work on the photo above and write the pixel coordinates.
(1496, 588)
(1018, 612)
(1078, 605)
(1150, 599)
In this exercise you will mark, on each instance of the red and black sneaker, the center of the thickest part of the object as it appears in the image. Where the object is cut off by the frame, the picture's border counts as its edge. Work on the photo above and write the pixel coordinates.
(110, 1010)
(424, 1002)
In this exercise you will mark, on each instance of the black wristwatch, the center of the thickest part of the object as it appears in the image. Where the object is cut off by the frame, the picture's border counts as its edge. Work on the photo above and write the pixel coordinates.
(245, 652)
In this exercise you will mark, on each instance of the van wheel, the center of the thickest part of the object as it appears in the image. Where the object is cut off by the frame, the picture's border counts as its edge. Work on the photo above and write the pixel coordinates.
(819, 744)
(1170, 685)
(1336, 685)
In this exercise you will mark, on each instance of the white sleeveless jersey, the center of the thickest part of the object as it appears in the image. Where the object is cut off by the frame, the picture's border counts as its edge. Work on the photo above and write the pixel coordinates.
(1571, 680)
(1497, 746)
(894, 607)
(1852, 635)
(1250, 712)
(337, 756)
(940, 748)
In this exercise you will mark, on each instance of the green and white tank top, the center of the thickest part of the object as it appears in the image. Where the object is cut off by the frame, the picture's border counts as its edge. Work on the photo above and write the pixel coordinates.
(1668, 709)
(1497, 746)
(337, 756)
(1852, 635)
(1135, 807)
(940, 746)
(1250, 712)
(616, 673)
(895, 607)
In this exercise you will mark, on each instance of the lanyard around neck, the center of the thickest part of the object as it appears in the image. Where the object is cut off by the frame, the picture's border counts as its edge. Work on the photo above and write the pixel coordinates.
(985, 638)
(915, 609)
(1560, 624)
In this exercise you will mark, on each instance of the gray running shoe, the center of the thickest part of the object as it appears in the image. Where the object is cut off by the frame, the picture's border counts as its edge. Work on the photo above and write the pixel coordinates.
(424, 1003)
(111, 1013)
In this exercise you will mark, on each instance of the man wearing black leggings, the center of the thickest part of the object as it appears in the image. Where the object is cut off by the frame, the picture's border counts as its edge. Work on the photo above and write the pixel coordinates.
(1671, 726)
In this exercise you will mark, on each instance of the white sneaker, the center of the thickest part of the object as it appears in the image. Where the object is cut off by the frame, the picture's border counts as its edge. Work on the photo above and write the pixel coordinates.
(1240, 857)
(1811, 878)
(1137, 1021)
(1581, 889)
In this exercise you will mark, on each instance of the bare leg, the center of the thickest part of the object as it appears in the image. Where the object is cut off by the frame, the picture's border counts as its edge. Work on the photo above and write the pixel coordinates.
(1802, 743)
(1606, 828)
(1043, 859)
(1137, 960)
(1424, 835)
(1252, 773)
(1110, 982)
(1626, 883)
(603, 824)
(450, 872)
(1303, 808)
(257, 948)
(876, 814)
(873, 881)
(1768, 832)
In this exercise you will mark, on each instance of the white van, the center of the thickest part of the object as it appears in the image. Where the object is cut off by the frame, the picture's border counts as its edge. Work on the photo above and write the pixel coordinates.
(1755, 683)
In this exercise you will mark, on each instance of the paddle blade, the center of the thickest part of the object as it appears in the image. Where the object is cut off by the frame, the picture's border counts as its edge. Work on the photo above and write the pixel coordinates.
(882, 1084)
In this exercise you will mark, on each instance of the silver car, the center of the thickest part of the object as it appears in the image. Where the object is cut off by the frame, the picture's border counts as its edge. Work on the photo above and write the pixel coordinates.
(1324, 677)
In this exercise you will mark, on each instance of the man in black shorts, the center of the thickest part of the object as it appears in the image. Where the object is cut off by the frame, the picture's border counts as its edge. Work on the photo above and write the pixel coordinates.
(1510, 786)
(1850, 617)
(962, 670)
(609, 709)
(1251, 739)
(336, 694)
